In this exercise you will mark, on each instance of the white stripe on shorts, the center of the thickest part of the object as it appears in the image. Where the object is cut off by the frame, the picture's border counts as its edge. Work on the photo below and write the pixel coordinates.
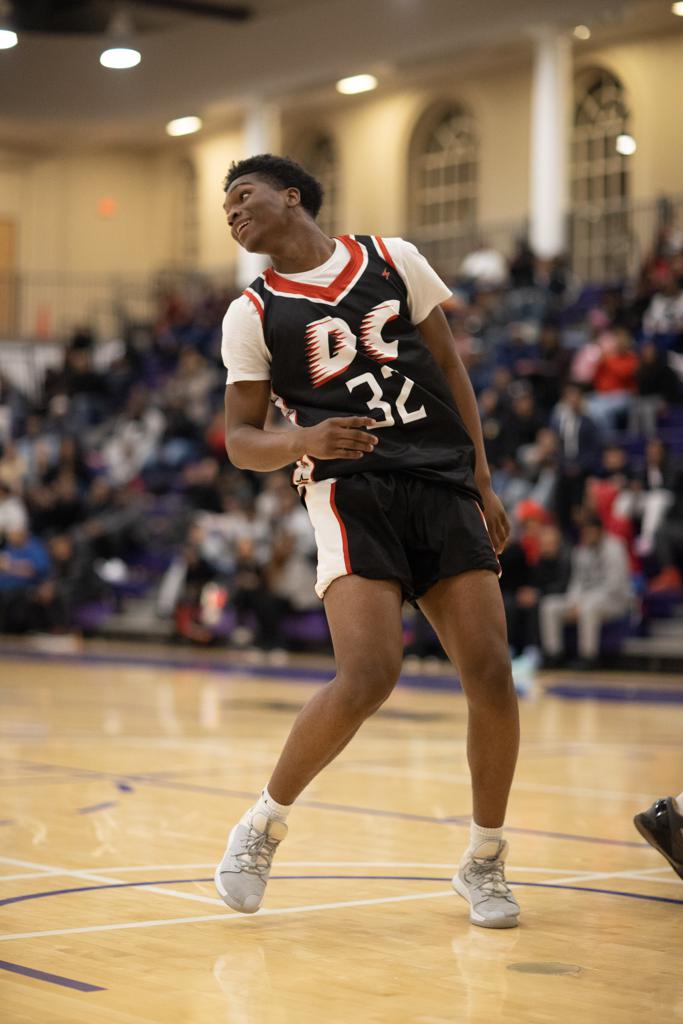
(330, 534)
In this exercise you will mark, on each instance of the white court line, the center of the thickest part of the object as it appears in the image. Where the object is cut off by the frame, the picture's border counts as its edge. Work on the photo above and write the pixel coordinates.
(449, 866)
(27, 874)
(642, 876)
(230, 918)
(530, 787)
(92, 876)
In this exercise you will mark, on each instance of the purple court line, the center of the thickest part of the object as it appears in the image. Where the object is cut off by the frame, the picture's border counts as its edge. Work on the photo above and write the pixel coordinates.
(96, 807)
(54, 979)
(302, 674)
(375, 812)
(301, 878)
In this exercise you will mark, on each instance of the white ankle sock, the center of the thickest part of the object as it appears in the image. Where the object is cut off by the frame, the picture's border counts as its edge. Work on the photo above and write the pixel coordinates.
(678, 803)
(479, 835)
(272, 808)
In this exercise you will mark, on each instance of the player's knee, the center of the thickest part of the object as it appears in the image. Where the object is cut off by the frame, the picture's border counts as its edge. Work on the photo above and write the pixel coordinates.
(365, 686)
(490, 685)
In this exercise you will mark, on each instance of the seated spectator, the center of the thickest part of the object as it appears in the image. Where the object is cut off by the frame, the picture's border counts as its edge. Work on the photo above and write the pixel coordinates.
(523, 421)
(547, 574)
(669, 545)
(13, 514)
(13, 467)
(579, 451)
(614, 383)
(548, 370)
(24, 563)
(663, 318)
(599, 591)
(72, 581)
(540, 463)
(646, 496)
(492, 413)
(656, 387)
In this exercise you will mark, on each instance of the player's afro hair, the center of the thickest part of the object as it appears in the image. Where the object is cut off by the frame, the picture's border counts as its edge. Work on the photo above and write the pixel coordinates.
(281, 172)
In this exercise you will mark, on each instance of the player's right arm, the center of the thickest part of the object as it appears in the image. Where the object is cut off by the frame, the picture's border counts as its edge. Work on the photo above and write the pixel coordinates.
(250, 446)
(248, 443)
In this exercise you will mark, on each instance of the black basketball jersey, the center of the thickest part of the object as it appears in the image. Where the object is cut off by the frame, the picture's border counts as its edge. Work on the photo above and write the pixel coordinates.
(350, 349)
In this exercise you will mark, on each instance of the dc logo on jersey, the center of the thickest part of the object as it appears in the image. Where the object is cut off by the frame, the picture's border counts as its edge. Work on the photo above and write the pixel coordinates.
(331, 345)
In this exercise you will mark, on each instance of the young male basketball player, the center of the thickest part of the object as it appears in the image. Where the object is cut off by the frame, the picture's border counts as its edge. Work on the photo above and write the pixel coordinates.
(348, 338)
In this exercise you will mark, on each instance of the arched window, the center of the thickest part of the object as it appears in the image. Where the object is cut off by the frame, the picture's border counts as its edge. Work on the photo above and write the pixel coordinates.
(600, 179)
(444, 178)
(318, 154)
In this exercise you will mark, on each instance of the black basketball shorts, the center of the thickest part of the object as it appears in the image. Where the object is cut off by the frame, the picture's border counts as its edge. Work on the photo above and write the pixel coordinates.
(394, 526)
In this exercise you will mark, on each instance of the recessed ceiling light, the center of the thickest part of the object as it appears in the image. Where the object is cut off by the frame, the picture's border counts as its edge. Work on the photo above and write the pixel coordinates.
(120, 52)
(626, 145)
(8, 39)
(677, 8)
(356, 83)
(582, 32)
(120, 57)
(184, 126)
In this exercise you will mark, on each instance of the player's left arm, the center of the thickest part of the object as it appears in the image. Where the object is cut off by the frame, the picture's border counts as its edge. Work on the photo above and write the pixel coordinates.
(439, 340)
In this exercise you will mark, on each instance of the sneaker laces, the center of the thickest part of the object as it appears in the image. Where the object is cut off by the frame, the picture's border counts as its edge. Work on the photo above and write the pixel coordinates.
(258, 854)
(488, 876)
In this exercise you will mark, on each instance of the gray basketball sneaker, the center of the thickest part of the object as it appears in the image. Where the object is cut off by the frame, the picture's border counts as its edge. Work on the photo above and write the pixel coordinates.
(242, 875)
(480, 879)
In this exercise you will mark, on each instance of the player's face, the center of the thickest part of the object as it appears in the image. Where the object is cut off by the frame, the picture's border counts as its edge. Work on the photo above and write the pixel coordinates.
(256, 213)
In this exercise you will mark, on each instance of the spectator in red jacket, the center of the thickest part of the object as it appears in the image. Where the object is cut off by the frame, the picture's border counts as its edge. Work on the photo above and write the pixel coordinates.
(614, 383)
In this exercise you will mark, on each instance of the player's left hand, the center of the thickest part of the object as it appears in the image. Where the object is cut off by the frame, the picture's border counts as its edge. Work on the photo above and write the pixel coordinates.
(496, 519)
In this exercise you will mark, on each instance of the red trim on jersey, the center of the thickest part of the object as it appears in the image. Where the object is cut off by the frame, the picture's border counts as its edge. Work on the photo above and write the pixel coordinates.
(327, 293)
(345, 539)
(385, 251)
(255, 301)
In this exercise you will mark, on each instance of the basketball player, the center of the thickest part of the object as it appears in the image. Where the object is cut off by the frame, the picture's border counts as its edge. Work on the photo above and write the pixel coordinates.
(662, 826)
(347, 337)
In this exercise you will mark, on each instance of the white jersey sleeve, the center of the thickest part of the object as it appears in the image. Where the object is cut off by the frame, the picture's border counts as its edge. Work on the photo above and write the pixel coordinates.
(425, 288)
(244, 348)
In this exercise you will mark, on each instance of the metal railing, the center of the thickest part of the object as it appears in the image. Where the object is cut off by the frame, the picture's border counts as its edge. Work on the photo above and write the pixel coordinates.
(50, 305)
(605, 243)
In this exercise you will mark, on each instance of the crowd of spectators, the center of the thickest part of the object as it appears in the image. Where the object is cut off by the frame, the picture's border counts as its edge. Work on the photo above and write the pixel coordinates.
(114, 480)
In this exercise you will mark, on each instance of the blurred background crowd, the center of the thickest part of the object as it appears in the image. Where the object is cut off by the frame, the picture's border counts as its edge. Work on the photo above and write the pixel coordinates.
(117, 498)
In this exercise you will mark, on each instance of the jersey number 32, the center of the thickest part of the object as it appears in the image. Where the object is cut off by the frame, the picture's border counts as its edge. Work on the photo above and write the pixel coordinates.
(331, 347)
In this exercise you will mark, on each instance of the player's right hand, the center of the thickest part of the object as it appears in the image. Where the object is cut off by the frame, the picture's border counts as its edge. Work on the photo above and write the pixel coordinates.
(340, 437)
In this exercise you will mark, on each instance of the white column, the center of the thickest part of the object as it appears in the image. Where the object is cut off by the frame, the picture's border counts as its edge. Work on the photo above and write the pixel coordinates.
(549, 158)
(261, 135)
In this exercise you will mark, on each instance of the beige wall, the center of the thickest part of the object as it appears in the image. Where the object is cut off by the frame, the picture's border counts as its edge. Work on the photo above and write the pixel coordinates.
(53, 197)
(211, 157)
(374, 136)
(54, 201)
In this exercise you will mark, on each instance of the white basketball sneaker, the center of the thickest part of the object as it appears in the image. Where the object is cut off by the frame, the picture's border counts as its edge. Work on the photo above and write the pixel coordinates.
(480, 879)
(242, 875)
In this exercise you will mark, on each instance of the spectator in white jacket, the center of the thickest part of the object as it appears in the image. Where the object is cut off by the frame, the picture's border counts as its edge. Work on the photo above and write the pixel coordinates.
(599, 591)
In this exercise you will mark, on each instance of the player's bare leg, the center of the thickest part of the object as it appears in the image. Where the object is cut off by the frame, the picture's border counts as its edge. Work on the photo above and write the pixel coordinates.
(467, 614)
(365, 623)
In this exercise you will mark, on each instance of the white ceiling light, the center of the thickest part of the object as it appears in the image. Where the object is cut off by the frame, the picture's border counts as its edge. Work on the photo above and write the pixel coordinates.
(120, 53)
(184, 126)
(626, 145)
(8, 37)
(355, 84)
(582, 32)
(677, 8)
